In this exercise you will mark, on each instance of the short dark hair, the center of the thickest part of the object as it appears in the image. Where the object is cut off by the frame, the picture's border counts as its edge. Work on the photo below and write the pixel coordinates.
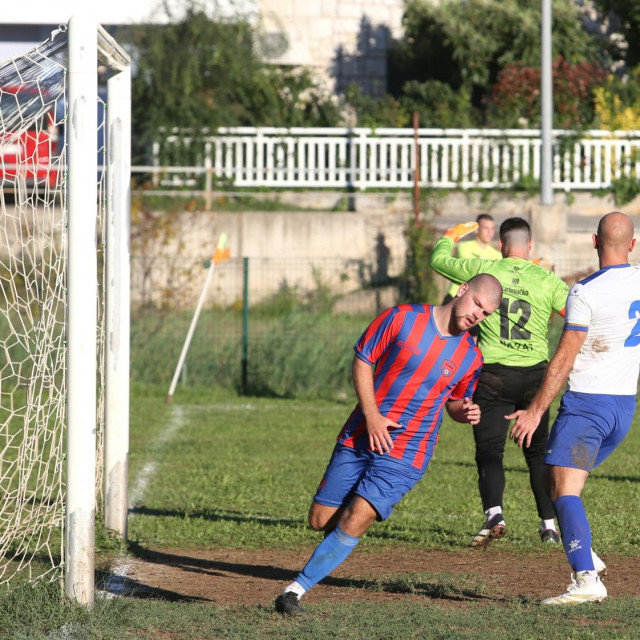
(484, 216)
(514, 224)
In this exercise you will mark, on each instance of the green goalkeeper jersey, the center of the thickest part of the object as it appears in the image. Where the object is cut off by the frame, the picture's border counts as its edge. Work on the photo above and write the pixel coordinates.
(516, 334)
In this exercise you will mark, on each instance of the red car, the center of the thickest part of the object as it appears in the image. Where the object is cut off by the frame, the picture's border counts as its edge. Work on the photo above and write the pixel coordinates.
(28, 154)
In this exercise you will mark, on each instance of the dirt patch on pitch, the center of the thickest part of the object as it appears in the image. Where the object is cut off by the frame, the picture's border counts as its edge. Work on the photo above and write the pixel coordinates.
(230, 577)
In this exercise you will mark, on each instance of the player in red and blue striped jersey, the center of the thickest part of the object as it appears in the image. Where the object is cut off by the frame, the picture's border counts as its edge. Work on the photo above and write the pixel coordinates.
(410, 363)
(417, 370)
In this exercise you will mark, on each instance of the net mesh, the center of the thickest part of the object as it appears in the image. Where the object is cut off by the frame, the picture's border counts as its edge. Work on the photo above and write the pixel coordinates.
(33, 309)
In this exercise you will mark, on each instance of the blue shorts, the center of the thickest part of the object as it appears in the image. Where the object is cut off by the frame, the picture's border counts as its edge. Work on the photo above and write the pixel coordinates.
(588, 428)
(380, 480)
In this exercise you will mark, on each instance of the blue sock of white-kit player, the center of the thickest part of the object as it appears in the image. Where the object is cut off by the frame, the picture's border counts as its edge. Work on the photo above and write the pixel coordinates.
(576, 532)
(329, 554)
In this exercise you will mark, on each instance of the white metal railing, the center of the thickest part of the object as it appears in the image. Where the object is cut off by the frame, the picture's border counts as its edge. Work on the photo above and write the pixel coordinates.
(363, 158)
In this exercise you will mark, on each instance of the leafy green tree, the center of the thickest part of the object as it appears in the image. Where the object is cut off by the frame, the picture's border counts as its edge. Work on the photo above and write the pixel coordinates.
(438, 105)
(204, 70)
(420, 282)
(384, 111)
(465, 45)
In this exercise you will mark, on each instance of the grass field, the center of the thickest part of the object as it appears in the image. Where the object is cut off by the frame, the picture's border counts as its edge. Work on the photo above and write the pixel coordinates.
(216, 470)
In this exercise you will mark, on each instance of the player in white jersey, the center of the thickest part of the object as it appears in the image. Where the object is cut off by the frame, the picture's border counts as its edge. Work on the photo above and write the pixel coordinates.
(599, 353)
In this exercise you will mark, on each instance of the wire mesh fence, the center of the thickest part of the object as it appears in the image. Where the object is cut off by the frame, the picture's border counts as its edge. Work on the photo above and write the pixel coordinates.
(270, 326)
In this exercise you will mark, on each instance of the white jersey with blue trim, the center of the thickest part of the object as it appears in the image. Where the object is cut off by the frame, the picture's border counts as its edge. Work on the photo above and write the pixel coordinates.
(607, 306)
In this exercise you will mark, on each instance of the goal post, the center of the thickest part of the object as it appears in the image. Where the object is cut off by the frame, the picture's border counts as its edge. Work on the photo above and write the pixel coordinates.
(89, 43)
(117, 312)
(64, 303)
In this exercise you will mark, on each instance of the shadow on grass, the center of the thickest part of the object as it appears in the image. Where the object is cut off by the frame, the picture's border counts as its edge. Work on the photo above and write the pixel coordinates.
(472, 465)
(234, 516)
(391, 584)
(595, 476)
(216, 516)
(123, 586)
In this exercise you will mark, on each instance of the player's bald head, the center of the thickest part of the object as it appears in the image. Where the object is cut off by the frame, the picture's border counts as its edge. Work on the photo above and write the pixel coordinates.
(615, 230)
(488, 286)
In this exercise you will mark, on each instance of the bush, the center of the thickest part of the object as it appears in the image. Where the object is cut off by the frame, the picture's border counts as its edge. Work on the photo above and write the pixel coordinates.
(624, 190)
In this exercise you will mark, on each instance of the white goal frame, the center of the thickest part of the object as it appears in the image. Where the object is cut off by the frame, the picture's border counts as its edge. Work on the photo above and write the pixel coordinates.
(86, 39)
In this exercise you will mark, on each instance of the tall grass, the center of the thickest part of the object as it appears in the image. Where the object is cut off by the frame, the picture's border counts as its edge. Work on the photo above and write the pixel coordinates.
(297, 354)
(293, 350)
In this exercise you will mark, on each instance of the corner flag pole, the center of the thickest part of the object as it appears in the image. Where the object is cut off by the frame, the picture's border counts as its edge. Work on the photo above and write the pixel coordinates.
(221, 253)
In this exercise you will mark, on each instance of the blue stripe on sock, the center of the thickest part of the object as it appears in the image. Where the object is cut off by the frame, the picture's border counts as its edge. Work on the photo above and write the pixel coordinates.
(576, 532)
(329, 554)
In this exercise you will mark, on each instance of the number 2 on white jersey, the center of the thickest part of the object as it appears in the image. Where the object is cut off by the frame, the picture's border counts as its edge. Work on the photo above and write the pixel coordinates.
(634, 337)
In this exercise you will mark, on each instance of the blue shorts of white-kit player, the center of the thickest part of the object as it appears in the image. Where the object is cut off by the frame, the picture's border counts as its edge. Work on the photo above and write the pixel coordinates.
(379, 479)
(588, 428)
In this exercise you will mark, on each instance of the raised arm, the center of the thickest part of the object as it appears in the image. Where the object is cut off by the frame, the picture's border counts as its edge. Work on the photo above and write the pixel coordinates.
(442, 261)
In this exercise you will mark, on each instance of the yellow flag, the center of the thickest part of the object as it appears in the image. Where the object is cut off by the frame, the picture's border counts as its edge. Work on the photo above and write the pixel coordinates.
(222, 251)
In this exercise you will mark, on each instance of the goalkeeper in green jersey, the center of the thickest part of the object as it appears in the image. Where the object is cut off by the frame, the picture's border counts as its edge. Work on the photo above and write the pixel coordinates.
(514, 345)
(478, 247)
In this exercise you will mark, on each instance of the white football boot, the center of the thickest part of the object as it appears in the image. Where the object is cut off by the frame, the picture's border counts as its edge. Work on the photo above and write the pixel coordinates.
(586, 586)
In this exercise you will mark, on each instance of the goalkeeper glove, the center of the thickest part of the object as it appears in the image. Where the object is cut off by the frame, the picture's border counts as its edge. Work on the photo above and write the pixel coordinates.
(460, 230)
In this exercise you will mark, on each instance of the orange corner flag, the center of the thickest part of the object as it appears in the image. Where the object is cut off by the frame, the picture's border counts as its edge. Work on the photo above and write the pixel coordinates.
(222, 251)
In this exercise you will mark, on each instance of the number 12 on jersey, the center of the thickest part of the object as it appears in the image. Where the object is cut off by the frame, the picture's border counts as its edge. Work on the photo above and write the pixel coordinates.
(514, 329)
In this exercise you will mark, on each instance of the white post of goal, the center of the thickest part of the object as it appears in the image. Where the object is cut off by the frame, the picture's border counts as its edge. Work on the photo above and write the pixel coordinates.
(82, 310)
(117, 331)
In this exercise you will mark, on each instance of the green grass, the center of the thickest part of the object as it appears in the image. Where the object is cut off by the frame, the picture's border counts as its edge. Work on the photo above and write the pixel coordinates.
(43, 616)
(239, 472)
(241, 452)
(151, 620)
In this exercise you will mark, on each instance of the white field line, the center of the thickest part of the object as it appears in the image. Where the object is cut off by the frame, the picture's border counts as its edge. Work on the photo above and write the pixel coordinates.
(116, 581)
(176, 420)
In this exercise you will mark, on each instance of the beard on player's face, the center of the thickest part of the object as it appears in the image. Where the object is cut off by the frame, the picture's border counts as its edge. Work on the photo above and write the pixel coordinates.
(461, 320)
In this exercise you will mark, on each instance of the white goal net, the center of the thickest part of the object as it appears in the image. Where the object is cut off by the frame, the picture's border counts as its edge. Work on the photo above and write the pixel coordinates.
(53, 307)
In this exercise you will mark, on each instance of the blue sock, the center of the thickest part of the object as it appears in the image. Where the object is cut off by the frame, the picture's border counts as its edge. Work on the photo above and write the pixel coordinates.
(576, 532)
(330, 553)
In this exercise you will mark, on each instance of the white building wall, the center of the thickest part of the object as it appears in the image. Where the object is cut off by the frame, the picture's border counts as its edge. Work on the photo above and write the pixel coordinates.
(343, 41)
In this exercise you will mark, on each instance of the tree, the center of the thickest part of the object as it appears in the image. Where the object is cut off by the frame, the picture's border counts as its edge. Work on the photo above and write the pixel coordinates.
(515, 98)
(617, 102)
(203, 69)
(467, 44)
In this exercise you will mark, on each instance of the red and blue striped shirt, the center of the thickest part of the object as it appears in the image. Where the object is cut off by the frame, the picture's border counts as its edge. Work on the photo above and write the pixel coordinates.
(417, 370)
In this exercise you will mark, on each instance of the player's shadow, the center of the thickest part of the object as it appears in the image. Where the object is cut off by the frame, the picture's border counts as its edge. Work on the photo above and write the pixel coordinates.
(217, 515)
(221, 568)
(595, 475)
(472, 465)
(600, 476)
